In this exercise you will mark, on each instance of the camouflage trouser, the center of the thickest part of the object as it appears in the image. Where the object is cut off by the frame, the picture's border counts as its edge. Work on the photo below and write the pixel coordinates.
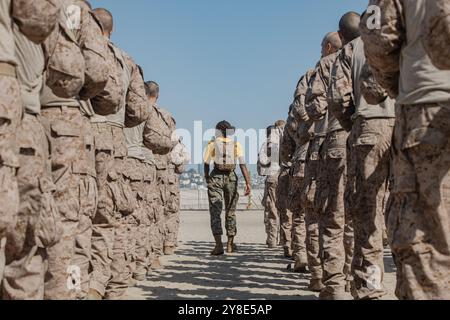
(83, 240)
(223, 189)
(272, 219)
(333, 219)
(121, 266)
(312, 212)
(369, 160)
(65, 128)
(114, 201)
(127, 210)
(103, 222)
(151, 194)
(10, 116)
(284, 181)
(418, 217)
(139, 227)
(158, 230)
(297, 208)
(38, 220)
(172, 212)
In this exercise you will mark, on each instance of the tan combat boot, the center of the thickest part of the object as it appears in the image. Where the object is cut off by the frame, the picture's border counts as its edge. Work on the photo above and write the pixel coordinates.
(342, 295)
(156, 264)
(94, 295)
(316, 285)
(169, 250)
(300, 267)
(139, 277)
(218, 250)
(287, 253)
(231, 247)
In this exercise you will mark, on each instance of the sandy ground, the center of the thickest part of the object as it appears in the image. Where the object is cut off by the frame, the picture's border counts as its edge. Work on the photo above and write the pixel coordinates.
(255, 273)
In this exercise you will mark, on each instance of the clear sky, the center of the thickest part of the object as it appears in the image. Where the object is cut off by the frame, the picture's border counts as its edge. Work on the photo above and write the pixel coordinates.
(225, 59)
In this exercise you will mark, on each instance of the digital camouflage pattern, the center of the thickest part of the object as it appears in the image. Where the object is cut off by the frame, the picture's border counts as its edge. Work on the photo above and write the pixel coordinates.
(65, 62)
(312, 212)
(158, 131)
(109, 100)
(271, 216)
(93, 45)
(223, 191)
(437, 32)
(332, 179)
(36, 18)
(419, 149)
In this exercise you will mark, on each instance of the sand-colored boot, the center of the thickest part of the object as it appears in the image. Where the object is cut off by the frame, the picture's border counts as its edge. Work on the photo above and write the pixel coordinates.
(316, 285)
(218, 250)
(231, 247)
(156, 264)
(169, 250)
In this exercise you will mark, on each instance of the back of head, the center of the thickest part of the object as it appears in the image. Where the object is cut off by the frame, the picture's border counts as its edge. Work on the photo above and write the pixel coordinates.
(334, 40)
(152, 89)
(225, 128)
(106, 19)
(349, 26)
(280, 123)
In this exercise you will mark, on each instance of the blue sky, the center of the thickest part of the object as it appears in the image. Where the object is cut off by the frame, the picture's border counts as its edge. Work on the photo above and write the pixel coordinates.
(237, 59)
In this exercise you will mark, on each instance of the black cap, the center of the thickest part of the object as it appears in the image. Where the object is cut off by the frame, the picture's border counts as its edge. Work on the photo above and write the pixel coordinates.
(225, 127)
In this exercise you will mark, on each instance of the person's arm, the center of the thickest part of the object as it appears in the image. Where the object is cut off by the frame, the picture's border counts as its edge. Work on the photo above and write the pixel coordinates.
(340, 94)
(246, 174)
(207, 171)
(383, 45)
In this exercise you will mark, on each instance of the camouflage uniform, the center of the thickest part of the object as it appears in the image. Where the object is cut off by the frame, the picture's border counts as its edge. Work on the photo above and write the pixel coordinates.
(269, 162)
(172, 221)
(287, 148)
(38, 221)
(158, 132)
(162, 163)
(369, 162)
(111, 257)
(135, 171)
(10, 115)
(150, 199)
(223, 188)
(71, 150)
(308, 195)
(271, 218)
(336, 241)
(297, 123)
(418, 216)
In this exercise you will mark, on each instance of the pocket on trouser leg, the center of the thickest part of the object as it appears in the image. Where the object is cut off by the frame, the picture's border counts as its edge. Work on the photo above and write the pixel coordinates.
(49, 227)
(65, 142)
(124, 198)
(9, 199)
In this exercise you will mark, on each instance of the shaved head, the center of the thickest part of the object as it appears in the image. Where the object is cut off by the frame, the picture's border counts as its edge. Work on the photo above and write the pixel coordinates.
(331, 43)
(106, 19)
(349, 26)
(152, 89)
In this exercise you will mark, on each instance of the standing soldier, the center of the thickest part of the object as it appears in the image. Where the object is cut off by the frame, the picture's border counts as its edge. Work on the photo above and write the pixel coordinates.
(298, 118)
(223, 184)
(418, 216)
(69, 142)
(126, 96)
(284, 183)
(363, 107)
(178, 159)
(158, 138)
(331, 181)
(269, 166)
(37, 224)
